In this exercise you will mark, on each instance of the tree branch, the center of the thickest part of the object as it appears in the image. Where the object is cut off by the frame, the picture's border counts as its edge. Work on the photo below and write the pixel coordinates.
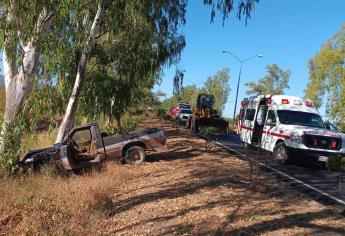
(44, 20)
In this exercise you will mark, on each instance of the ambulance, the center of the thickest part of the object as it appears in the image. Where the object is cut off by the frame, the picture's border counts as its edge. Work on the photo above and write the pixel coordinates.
(287, 127)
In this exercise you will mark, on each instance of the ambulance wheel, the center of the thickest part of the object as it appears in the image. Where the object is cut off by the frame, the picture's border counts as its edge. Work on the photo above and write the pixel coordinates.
(280, 153)
(135, 155)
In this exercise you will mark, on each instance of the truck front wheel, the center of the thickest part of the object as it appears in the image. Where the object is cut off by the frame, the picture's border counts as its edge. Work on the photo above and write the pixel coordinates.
(280, 153)
(135, 155)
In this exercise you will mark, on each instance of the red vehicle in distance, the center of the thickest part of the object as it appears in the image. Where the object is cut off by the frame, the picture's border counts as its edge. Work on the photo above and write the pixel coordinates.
(176, 109)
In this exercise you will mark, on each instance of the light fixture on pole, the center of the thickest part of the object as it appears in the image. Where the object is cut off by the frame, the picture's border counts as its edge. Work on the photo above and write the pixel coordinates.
(239, 75)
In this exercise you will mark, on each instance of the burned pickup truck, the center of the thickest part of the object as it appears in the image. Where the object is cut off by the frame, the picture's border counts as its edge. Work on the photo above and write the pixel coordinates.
(85, 146)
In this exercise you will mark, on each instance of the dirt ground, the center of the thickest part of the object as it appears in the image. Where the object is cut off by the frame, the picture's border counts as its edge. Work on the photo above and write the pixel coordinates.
(180, 190)
(186, 190)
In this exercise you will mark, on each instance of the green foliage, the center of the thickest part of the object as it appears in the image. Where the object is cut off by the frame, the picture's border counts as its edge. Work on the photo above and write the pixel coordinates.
(218, 86)
(160, 112)
(127, 59)
(335, 163)
(187, 94)
(128, 125)
(208, 132)
(178, 81)
(245, 7)
(9, 159)
(274, 82)
(2, 99)
(326, 86)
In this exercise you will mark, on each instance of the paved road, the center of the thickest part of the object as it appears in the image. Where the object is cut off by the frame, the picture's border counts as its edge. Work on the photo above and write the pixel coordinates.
(324, 184)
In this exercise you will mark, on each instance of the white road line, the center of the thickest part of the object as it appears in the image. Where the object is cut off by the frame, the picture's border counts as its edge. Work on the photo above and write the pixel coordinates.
(288, 176)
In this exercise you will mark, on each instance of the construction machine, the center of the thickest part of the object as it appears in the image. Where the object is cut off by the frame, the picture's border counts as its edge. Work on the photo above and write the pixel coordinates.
(205, 116)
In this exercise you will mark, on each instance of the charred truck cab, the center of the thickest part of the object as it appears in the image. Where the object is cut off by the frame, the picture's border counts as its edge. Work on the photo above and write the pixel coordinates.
(85, 146)
(286, 126)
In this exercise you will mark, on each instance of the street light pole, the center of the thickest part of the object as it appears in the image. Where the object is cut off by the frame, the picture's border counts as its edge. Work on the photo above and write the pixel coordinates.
(238, 85)
(239, 75)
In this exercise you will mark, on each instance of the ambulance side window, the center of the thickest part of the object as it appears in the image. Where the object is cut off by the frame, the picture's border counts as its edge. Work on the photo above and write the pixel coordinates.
(241, 114)
(250, 113)
(271, 116)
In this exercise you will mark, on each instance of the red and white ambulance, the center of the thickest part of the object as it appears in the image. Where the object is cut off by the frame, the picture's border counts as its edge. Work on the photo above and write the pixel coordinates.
(287, 126)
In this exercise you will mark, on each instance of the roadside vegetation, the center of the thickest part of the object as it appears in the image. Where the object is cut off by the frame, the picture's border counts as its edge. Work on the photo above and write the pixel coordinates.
(275, 82)
(327, 76)
(217, 85)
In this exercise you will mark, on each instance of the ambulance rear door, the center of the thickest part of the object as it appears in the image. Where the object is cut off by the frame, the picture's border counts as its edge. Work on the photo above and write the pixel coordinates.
(248, 122)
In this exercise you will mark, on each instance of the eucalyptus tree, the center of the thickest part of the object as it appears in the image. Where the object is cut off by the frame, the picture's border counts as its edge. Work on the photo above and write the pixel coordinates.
(326, 85)
(274, 82)
(178, 81)
(90, 28)
(25, 33)
(218, 86)
(127, 58)
(156, 45)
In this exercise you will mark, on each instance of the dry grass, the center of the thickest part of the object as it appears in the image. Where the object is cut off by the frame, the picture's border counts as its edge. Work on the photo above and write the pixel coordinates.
(180, 190)
(42, 140)
(49, 204)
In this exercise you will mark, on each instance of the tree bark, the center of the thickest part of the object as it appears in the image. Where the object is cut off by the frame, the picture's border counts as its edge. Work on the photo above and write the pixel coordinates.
(19, 80)
(18, 86)
(69, 117)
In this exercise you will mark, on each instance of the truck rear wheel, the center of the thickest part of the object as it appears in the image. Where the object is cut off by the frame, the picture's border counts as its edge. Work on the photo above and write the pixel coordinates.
(135, 155)
(280, 153)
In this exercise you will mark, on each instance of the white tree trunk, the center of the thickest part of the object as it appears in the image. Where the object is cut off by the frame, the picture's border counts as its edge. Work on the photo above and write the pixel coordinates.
(19, 80)
(18, 86)
(69, 117)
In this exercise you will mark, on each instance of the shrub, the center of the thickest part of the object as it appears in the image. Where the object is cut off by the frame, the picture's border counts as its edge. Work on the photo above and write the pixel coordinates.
(335, 163)
(127, 125)
(10, 157)
(208, 132)
(160, 112)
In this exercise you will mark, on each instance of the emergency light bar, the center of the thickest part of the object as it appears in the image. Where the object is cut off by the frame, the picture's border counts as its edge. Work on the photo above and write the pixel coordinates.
(309, 103)
(298, 102)
(285, 101)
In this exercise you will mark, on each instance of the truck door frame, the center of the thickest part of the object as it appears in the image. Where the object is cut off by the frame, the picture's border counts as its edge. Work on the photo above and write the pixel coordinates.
(98, 139)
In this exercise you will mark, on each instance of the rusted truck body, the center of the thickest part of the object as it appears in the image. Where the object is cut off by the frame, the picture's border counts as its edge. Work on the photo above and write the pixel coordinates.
(85, 145)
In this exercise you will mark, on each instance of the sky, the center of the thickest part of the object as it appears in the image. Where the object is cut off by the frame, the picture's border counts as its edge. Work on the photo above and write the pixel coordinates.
(287, 33)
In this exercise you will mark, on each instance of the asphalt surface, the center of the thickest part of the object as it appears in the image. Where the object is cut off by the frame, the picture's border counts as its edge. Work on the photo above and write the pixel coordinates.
(308, 177)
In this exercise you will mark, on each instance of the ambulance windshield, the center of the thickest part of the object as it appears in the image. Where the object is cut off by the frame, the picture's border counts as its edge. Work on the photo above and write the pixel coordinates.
(300, 118)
